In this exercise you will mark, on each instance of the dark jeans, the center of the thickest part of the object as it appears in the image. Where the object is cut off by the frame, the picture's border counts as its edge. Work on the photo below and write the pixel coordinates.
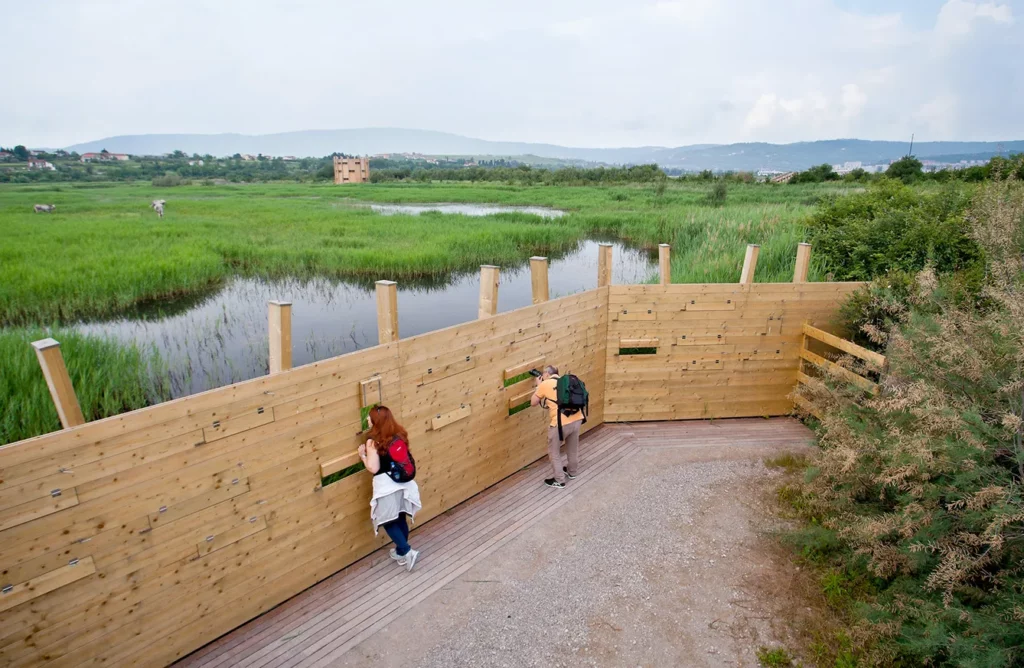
(398, 531)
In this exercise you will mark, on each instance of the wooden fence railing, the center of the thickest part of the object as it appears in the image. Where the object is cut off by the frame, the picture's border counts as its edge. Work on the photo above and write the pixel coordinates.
(136, 539)
(873, 363)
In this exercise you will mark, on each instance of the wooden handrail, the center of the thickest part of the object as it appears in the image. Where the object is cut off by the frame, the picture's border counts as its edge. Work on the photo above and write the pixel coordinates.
(869, 356)
(851, 377)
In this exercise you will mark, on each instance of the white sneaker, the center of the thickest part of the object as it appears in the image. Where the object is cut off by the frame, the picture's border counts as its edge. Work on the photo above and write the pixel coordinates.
(394, 555)
(410, 559)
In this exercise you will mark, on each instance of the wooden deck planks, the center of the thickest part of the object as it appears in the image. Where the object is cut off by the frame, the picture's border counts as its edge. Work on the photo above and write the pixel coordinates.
(319, 625)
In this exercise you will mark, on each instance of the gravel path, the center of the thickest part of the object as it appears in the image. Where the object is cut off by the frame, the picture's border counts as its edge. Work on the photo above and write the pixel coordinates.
(662, 562)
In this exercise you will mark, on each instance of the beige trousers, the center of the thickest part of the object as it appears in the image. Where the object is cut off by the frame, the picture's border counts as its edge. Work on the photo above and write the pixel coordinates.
(572, 449)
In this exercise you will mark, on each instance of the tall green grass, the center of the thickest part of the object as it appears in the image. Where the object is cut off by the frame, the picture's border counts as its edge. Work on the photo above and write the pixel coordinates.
(109, 377)
(105, 251)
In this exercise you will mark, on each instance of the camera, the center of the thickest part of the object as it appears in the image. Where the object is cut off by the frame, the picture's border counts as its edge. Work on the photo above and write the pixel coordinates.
(534, 373)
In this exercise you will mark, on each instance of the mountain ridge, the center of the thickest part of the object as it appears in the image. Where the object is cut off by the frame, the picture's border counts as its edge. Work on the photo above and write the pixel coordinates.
(372, 141)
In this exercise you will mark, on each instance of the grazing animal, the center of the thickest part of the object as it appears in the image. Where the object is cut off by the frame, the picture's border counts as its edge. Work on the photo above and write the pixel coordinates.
(158, 206)
(44, 208)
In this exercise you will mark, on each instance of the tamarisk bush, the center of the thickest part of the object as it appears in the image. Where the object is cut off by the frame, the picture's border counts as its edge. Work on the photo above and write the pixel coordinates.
(918, 491)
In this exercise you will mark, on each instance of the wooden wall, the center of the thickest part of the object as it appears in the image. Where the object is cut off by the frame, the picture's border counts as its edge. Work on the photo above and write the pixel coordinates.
(137, 539)
(726, 350)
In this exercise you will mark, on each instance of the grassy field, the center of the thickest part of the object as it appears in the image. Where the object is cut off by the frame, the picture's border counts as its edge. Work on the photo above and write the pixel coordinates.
(105, 251)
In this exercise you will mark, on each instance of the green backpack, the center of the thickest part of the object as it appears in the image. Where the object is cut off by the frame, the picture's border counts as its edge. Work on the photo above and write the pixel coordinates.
(572, 397)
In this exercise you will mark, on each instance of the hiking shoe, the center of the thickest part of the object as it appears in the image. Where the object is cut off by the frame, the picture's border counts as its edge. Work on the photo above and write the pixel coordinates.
(409, 560)
(551, 482)
(567, 474)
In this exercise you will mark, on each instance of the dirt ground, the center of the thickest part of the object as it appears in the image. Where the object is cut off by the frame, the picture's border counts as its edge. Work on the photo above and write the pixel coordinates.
(668, 560)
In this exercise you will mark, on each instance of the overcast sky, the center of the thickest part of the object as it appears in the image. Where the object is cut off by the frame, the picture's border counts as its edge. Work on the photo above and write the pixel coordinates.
(574, 72)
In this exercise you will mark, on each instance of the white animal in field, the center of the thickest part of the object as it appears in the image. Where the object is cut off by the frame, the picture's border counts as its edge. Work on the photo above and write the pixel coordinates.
(44, 208)
(158, 206)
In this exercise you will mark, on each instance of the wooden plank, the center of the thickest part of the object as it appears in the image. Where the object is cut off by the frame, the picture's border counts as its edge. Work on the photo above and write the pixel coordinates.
(749, 264)
(650, 342)
(539, 279)
(835, 369)
(665, 263)
(604, 265)
(14, 595)
(520, 369)
(222, 429)
(213, 543)
(635, 314)
(63, 477)
(371, 391)
(806, 406)
(332, 466)
(444, 419)
(59, 382)
(803, 263)
(723, 305)
(442, 372)
(280, 321)
(488, 291)
(387, 311)
(520, 398)
(871, 357)
(37, 508)
(167, 514)
(700, 340)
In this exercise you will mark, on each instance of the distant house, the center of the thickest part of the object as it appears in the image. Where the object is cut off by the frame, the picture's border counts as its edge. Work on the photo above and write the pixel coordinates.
(248, 157)
(289, 158)
(783, 178)
(5, 156)
(40, 164)
(103, 157)
(193, 163)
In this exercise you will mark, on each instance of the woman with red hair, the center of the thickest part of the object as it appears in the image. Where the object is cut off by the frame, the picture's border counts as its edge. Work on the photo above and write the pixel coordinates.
(395, 494)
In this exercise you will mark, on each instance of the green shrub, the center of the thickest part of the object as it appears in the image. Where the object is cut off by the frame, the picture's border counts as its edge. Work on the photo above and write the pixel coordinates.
(917, 505)
(716, 196)
(892, 227)
(169, 180)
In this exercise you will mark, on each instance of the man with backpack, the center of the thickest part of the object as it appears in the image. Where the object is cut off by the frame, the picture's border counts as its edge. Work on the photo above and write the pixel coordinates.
(567, 402)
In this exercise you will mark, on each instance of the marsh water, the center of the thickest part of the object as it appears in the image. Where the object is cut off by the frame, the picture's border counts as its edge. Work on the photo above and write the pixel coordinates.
(465, 209)
(220, 338)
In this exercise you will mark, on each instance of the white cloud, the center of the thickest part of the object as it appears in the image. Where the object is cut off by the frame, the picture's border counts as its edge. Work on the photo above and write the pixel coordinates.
(853, 101)
(957, 17)
(578, 72)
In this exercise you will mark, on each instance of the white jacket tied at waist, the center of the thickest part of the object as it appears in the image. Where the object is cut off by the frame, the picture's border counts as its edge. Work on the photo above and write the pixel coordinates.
(392, 498)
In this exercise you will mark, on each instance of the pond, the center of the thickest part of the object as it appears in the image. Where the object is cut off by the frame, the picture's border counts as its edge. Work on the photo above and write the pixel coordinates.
(222, 338)
(465, 209)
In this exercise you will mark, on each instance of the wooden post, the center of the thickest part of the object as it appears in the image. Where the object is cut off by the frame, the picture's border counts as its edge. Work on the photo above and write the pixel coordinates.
(749, 264)
(488, 291)
(803, 263)
(59, 382)
(280, 336)
(604, 265)
(387, 312)
(539, 279)
(665, 263)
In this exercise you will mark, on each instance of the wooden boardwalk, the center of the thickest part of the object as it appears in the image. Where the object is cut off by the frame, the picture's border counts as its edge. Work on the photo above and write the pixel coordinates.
(322, 623)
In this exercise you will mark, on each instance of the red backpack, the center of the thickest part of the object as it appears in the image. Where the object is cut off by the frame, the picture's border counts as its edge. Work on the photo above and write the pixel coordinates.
(402, 467)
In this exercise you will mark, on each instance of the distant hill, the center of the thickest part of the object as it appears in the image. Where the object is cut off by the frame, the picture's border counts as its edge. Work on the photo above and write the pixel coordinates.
(368, 141)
